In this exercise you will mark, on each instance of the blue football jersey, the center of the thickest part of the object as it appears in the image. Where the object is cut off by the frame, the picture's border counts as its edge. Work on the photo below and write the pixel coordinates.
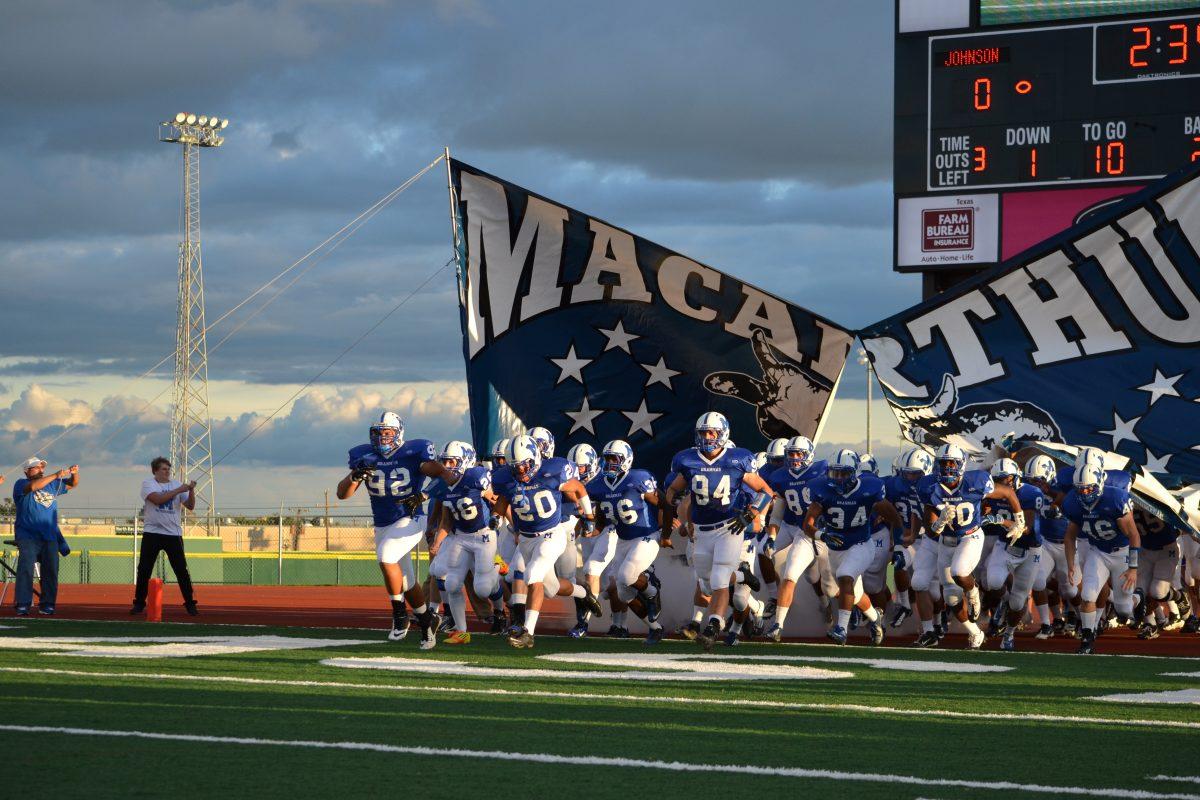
(396, 477)
(713, 483)
(537, 503)
(789, 489)
(1033, 500)
(903, 495)
(966, 499)
(624, 505)
(848, 514)
(1099, 523)
(1156, 534)
(464, 500)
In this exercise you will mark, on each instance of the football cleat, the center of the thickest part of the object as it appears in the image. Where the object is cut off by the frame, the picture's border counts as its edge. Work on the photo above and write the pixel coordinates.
(836, 634)
(653, 604)
(689, 631)
(776, 633)
(972, 598)
(975, 640)
(748, 577)
(998, 624)
(435, 620)
(731, 639)
(876, 631)
(617, 632)
(1087, 645)
(1046, 632)
(899, 616)
(1149, 631)
(1059, 626)
(769, 611)
(447, 625)
(591, 603)
(428, 639)
(654, 636)
(707, 637)
(928, 639)
(939, 632)
(1192, 625)
(756, 626)
(579, 631)
(1174, 622)
(856, 618)
(458, 637)
(498, 624)
(1008, 643)
(400, 626)
(1139, 606)
(521, 639)
(1072, 622)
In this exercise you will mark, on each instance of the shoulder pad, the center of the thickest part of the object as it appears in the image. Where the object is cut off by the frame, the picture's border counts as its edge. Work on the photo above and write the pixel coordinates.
(422, 447)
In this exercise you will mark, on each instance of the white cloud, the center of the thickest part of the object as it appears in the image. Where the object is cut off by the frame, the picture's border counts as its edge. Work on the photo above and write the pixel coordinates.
(37, 408)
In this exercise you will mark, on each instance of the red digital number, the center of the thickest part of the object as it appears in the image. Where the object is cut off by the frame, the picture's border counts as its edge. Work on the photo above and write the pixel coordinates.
(1110, 158)
(980, 158)
(1033, 162)
(1196, 153)
(1133, 51)
(983, 94)
(1182, 44)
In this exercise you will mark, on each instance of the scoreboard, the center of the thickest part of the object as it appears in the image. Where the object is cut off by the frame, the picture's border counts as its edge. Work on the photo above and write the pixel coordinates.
(1006, 134)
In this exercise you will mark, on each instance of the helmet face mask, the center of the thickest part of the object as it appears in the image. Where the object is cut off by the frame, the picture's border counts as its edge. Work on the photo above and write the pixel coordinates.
(949, 463)
(499, 449)
(618, 458)
(1089, 483)
(799, 453)
(524, 457)
(843, 469)
(712, 432)
(388, 434)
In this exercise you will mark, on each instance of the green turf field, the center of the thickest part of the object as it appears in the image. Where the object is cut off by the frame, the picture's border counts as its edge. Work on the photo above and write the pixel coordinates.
(277, 722)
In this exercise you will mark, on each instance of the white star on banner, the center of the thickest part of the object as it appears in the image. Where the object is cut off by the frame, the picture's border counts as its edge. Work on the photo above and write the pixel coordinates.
(640, 420)
(582, 419)
(1121, 430)
(570, 366)
(1155, 463)
(617, 337)
(1161, 385)
(660, 373)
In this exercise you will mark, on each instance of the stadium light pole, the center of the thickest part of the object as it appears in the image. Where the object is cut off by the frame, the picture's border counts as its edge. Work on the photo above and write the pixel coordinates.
(191, 424)
(864, 360)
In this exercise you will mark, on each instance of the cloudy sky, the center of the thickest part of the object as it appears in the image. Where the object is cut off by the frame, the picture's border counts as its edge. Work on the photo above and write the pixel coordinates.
(758, 143)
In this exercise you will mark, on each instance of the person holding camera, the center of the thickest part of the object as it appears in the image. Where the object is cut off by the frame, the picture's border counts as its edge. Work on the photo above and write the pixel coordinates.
(36, 497)
(163, 498)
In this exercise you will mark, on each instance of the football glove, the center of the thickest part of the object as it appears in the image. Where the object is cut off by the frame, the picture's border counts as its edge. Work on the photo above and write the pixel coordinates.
(413, 502)
(1052, 512)
(742, 521)
(945, 514)
(362, 472)
(833, 539)
(495, 522)
(899, 557)
(589, 526)
(768, 547)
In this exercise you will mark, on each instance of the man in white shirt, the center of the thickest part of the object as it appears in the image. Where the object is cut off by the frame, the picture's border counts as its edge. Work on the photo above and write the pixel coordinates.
(163, 531)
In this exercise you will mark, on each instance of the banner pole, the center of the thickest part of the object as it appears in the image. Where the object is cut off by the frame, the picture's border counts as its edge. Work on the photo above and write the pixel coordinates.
(450, 194)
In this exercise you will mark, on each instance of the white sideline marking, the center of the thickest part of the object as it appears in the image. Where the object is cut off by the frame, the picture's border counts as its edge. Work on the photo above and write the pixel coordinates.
(677, 661)
(1182, 674)
(602, 761)
(694, 671)
(1179, 778)
(770, 705)
(1176, 697)
(165, 646)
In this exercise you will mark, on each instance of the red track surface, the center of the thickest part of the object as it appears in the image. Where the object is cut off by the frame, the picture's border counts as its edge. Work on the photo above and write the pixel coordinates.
(366, 607)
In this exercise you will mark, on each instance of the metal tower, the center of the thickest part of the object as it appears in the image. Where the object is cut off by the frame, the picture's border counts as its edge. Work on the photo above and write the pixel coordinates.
(191, 425)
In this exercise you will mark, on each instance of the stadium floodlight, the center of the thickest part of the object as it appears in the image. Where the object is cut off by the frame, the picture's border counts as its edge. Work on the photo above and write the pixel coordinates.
(213, 122)
(191, 119)
(224, 124)
(180, 117)
(203, 122)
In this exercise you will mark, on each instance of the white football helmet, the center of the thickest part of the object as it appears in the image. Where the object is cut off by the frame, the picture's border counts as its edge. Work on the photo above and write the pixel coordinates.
(1040, 467)
(523, 456)
(383, 443)
(499, 450)
(950, 462)
(1089, 483)
(545, 440)
(759, 461)
(867, 463)
(584, 457)
(618, 458)
(799, 452)
(461, 454)
(1007, 468)
(777, 452)
(915, 463)
(712, 421)
(843, 468)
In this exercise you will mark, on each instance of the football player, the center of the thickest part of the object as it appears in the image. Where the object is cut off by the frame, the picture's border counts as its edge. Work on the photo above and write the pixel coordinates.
(1022, 553)
(1040, 472)
(901, 490)
(596, 550)
(952, 497)
(466, 512)
(1103, 513)
(628, 500)
(393, 471)
(1158, 571)
(785, 530)
(711, 472)
(535, 490)
(844, 503)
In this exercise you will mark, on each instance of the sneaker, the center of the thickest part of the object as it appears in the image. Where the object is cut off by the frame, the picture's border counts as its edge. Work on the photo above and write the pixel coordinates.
(689, 631)
(776, 633)
(428, 638)
(707, 637)
(1008, 643)
(1192, 625)
(899, 616)
(654, 636)
(1046, 632)
(46, 611)
(1149, 631)
(190, 607)
(22, 611)
(769, 611)
(523, 640)
(876, 631)
(400, 626)
(498, 624)
(1087, 645)
(748, 577)
(458, 637)
(836, 634)
(617, 632)
(975, 640)
(928, 639)
(138, 608)
(579, 631)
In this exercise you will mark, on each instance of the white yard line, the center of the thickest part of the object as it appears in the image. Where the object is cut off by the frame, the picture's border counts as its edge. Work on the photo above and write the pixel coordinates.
(1177, 778)
(600, 761)
(493, 692)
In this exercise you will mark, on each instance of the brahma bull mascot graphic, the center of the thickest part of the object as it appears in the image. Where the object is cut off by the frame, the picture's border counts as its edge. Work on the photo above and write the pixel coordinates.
(975, 426)
(788, 398)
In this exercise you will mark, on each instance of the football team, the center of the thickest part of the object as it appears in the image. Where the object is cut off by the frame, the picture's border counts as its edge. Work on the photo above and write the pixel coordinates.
(1062, 549)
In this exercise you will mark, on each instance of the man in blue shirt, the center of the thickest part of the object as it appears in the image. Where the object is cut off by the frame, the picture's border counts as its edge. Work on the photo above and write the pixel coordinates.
(37, 535)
